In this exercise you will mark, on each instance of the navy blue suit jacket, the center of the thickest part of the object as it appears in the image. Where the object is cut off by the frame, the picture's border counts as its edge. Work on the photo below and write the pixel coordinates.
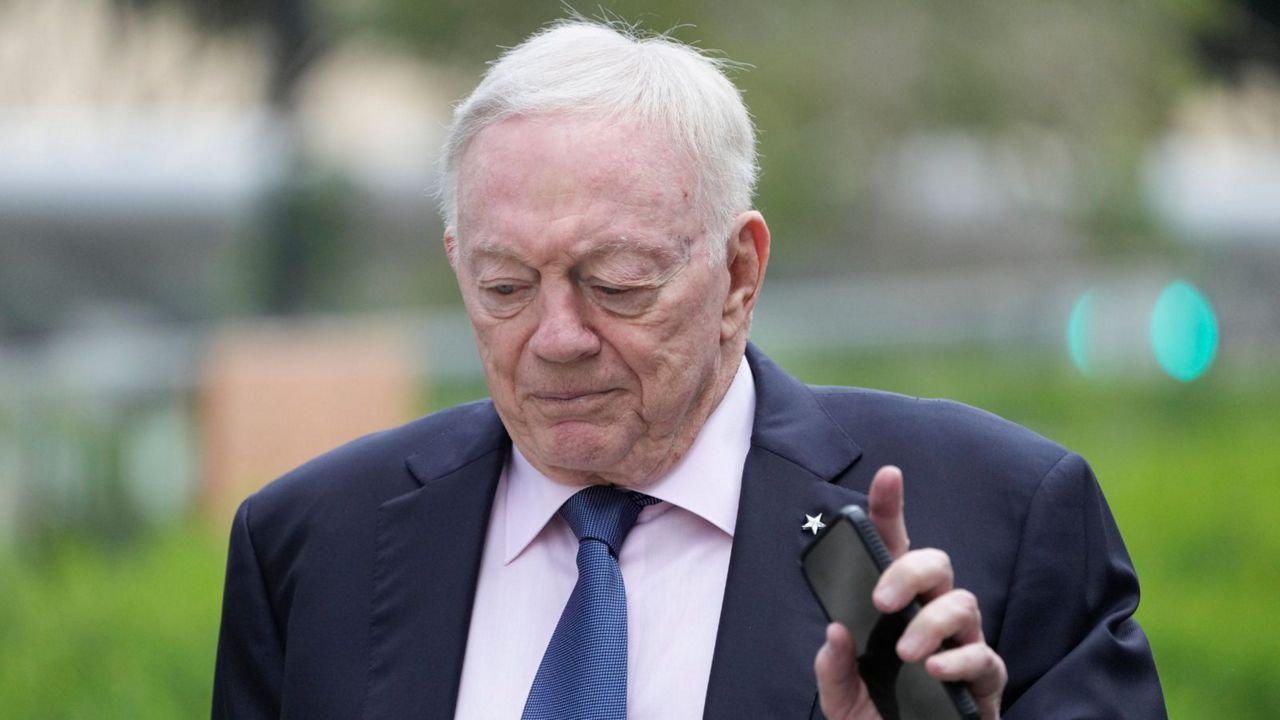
(350, 580)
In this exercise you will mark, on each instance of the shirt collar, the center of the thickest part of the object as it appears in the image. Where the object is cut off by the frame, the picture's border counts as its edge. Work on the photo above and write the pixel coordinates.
(706, 481)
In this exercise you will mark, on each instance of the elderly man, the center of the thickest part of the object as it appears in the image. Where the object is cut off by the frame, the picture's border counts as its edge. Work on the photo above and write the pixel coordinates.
(616, 533)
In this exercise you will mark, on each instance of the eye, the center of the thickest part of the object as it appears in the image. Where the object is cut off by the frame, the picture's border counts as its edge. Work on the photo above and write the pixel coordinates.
(505, 298)
(626, 301)
(502, 289)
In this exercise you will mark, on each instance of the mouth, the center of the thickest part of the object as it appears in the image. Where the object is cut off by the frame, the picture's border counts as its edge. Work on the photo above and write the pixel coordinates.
(569, 400)
(569, 395)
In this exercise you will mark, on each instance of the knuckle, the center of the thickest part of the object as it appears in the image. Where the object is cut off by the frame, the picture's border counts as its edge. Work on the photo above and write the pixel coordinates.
(941, 561)
(933, 619)
(927, 561)
(967, 603)
(932, 562)
(987, 658)
(988, 663)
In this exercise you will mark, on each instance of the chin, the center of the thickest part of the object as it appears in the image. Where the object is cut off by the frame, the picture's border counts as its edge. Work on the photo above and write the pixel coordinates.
(583, 450)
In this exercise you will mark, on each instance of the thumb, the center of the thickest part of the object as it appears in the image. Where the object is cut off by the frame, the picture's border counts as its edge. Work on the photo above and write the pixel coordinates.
(841, 692)
(885, 504)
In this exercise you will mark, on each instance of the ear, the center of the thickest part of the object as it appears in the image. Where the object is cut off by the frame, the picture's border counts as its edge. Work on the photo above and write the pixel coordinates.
(451, 247)
(746, 258)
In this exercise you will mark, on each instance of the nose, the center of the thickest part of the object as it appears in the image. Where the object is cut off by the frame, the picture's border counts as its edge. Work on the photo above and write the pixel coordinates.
(563, 334)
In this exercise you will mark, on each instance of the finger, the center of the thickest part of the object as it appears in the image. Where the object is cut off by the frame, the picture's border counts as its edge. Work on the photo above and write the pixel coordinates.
(922, 573)
(885, 503)
(977, 665)
(836, 667)
(954, 615)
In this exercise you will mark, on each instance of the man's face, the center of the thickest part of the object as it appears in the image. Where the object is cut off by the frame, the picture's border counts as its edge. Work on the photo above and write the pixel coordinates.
(599, 320)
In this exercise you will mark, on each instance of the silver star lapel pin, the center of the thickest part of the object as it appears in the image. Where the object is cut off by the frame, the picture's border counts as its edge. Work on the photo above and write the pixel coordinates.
(813, 522)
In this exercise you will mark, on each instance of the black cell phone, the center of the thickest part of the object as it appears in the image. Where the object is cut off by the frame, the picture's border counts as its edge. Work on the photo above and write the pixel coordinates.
(842, 567)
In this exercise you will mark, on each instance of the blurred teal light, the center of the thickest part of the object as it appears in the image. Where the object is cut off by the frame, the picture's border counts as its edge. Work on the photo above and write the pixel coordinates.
(1080, 330)
(1184, 331)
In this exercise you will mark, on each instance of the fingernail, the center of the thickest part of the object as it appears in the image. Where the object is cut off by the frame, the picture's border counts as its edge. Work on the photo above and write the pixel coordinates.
(883, 598)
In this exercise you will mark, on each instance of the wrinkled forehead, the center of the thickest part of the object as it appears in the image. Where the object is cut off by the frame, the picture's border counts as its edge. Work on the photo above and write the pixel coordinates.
(559, 164)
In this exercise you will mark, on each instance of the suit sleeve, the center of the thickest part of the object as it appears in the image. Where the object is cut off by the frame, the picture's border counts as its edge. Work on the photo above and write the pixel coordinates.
(250, 664)
(1069, 640)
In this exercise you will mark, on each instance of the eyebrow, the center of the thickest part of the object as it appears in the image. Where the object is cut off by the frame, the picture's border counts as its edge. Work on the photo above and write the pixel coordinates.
(623, 246)
(488, 249)
(620, 245)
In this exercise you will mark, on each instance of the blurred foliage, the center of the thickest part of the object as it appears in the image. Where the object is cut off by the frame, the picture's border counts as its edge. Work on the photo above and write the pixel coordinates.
(836, 83)
(130, 630)
(85, 454)
(302, 257)
(212, 14)
(94, 631)
(836, 88)
(1245, 34)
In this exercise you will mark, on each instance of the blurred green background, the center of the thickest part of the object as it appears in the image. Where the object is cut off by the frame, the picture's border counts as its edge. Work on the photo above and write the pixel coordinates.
(190, 188)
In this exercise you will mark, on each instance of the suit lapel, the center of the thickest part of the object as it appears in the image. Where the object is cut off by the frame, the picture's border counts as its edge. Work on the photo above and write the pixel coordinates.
(430, 541)
(426, 562)
(770, 624)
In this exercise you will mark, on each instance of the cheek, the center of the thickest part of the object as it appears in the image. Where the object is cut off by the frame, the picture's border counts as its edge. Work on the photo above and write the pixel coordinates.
(693, 331)
(499, 345)
(674, 360)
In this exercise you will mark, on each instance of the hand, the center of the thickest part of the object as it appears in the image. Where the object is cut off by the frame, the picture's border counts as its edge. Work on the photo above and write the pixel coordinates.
(947, 613)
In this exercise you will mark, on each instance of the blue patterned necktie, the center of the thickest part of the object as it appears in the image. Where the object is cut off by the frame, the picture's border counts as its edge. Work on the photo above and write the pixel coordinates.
(583, 675)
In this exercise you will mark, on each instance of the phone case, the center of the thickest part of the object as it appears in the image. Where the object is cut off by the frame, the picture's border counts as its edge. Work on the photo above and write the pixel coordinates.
(882, 674)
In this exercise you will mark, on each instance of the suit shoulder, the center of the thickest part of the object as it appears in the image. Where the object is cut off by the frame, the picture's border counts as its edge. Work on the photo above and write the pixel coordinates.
(947, 428)
(375, 467)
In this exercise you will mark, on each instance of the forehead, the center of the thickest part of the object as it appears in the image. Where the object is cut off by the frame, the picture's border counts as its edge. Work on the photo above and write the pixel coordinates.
(560, 175)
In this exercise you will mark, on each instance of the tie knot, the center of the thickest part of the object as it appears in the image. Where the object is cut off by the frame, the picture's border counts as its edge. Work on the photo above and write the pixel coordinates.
(603, 513)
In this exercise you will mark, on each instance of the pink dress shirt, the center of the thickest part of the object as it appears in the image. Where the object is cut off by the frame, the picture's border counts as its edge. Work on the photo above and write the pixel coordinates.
(674, 564)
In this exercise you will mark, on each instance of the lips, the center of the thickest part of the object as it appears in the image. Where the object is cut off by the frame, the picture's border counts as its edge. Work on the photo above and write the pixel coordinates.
(569, 395)
(569, 404)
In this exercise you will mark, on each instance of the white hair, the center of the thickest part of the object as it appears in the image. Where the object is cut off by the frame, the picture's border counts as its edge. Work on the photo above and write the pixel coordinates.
(608, 69)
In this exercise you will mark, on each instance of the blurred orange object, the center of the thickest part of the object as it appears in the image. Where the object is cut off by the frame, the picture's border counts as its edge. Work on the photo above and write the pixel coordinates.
(275, 394)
